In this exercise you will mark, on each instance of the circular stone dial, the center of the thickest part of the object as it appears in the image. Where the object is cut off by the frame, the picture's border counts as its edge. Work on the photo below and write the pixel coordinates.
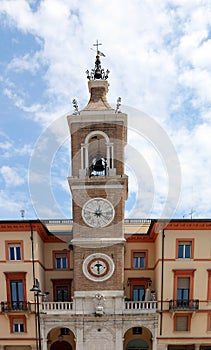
(98, 267)
(98, 212)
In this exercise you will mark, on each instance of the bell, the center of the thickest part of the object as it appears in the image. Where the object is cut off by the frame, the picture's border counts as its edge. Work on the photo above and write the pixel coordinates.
(99, 165)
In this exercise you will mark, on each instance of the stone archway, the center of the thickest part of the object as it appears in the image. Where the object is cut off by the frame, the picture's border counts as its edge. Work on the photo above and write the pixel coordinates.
(139, 338)
(61, 338)
(61, 345)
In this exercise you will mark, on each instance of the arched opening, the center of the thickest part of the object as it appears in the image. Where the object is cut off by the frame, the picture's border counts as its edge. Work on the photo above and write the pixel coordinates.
(61, 338)
(61, 345)
(138, 338)
(97, 155)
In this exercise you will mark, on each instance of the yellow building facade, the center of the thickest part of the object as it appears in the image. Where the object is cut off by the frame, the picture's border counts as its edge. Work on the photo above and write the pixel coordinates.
(100, 281)
(167, 288)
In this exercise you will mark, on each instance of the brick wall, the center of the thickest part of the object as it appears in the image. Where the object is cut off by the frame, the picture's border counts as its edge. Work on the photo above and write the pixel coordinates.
(115, 282)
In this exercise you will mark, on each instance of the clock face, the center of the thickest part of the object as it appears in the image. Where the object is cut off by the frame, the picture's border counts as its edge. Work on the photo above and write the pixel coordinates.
(98, 267)
(98, 212)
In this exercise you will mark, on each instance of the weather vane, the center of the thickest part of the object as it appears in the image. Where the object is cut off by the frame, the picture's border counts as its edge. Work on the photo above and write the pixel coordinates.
(98, 52)
(97, 45)
(97, 72)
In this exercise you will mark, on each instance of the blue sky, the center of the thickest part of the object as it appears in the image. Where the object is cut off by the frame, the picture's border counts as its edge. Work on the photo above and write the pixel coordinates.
(158, 54)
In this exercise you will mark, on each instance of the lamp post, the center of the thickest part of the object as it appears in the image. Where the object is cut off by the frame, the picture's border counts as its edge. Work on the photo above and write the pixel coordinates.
(37, 294)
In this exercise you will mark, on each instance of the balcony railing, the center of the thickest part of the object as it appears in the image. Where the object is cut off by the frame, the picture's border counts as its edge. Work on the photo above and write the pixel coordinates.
(15, 306)
(184, 305)
(140, 307)
(128, 307)
(57, 307)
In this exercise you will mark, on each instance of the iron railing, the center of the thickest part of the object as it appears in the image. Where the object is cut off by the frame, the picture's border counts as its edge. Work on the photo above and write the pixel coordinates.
(184, 304)
(7, 306)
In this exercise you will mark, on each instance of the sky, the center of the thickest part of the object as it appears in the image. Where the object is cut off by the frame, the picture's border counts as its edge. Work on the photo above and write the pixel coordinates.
(159, 57)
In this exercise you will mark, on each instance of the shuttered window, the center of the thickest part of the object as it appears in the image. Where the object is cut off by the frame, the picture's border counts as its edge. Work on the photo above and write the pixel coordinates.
(183, 286)
(181, 323)
(18, 325)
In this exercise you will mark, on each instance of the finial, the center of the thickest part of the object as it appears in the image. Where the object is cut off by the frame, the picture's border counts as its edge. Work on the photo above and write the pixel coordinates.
(97, 72)
(118, 104)
(75, 106)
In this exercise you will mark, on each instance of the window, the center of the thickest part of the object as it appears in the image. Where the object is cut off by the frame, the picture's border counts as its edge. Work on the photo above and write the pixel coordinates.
(61, 289)
(18, 325)
(183, 287)
(16, 290)
(14, 250)
(137, 287)
(61, 260)
(182, 323)
(137, 330)
(139, 260)
(184, 249)
(62, 293)
(138, 293)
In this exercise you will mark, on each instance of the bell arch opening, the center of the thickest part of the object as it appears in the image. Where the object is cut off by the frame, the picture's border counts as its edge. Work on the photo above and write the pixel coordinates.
(97, 155)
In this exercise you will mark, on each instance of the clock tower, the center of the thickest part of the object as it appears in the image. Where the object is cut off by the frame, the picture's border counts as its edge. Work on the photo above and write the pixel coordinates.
(99, 190)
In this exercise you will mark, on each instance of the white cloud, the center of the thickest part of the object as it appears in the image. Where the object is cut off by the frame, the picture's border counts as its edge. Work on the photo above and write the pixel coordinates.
(20, 102)
(28, 62)
(8, 204)
(11, 176)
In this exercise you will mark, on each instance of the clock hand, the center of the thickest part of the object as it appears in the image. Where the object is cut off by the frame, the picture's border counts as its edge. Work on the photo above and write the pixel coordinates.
(98, 265)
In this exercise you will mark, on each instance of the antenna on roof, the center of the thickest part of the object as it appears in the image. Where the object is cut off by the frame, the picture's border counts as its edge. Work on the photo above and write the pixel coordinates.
(22, 211)
(191, 213)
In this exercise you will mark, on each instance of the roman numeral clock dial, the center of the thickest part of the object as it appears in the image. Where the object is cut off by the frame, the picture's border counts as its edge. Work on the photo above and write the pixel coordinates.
(98, 212)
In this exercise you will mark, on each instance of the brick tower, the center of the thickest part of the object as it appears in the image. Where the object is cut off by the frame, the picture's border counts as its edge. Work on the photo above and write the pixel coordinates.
(99, 190)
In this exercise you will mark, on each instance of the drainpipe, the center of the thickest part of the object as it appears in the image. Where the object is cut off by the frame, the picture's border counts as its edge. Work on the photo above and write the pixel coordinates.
(32, 252)
(162, 280)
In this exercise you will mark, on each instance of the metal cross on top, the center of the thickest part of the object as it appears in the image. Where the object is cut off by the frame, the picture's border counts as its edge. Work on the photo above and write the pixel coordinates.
(97, 46)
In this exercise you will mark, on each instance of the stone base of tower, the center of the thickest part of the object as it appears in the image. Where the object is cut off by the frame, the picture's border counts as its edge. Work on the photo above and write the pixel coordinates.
(109, 332)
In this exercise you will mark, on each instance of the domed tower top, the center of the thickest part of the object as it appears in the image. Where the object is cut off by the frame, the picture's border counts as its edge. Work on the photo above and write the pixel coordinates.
(98, 86)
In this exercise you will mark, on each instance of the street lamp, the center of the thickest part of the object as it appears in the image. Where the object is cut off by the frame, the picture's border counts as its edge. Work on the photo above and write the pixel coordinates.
(37, 294)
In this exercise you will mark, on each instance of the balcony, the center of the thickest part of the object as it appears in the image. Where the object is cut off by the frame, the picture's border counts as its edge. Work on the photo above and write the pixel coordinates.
(140, 307)
(58, 307)
(15, 306)
(128, 308)
(184, 305)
